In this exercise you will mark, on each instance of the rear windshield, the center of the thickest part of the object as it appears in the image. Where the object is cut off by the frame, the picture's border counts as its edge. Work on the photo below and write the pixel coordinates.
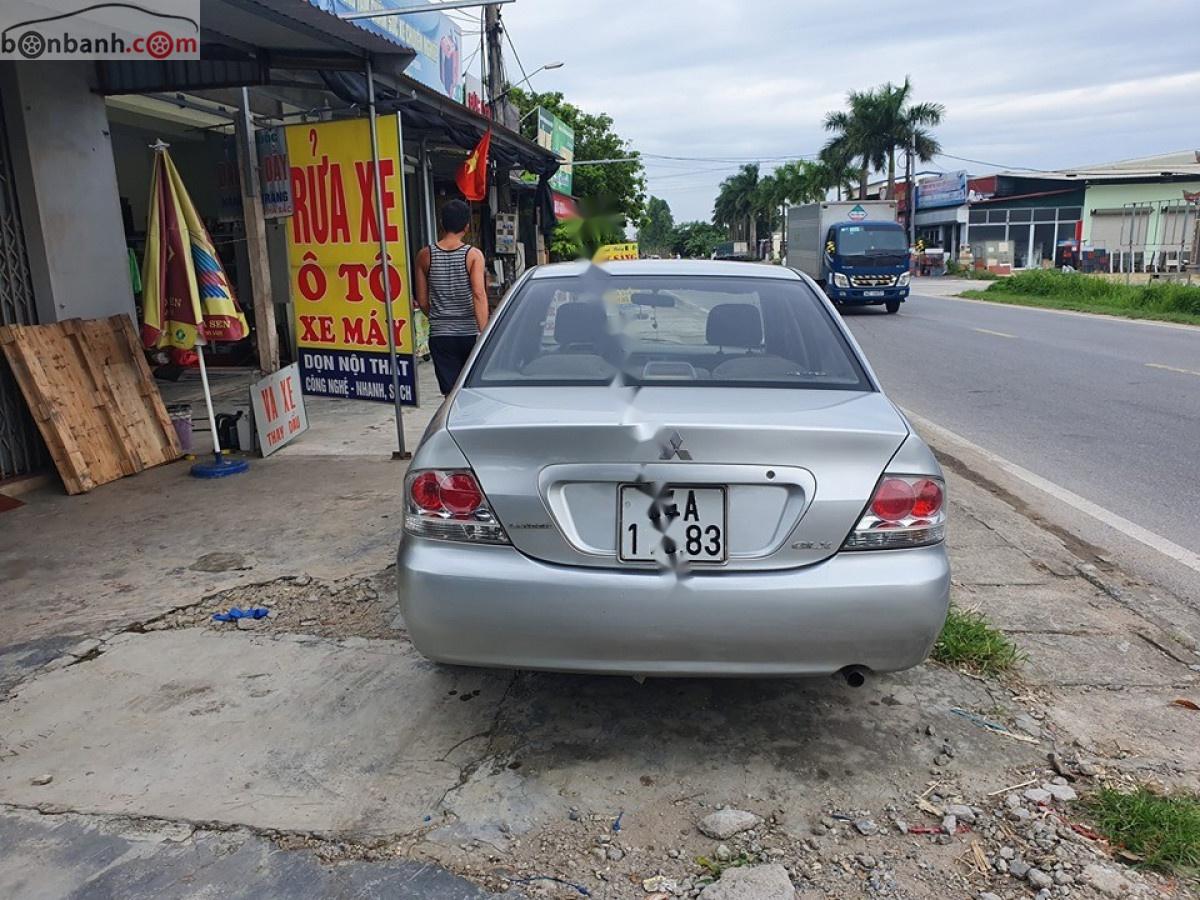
(668, 330)
(863, 240)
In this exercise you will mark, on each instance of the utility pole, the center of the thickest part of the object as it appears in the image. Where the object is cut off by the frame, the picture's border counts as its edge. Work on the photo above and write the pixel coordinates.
(256, 239)
(492, 32)
(910, 205)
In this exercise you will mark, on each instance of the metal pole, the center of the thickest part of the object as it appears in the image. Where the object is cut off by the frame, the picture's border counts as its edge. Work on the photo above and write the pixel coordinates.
(381, 219)
(910, 193)
(212, 419)
(256, 240)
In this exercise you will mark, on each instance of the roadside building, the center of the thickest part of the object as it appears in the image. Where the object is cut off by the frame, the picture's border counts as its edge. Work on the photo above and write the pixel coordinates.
(1129, 216)
(1137, 212)
(75, 166)
(1026, 219)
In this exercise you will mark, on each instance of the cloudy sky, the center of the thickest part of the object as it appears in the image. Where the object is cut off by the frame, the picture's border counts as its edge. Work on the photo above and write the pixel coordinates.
(1023, 83)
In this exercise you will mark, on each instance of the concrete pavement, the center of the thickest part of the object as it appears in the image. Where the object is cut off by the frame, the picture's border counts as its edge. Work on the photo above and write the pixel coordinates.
(147, 751)
(323, 754)
(1106, 408)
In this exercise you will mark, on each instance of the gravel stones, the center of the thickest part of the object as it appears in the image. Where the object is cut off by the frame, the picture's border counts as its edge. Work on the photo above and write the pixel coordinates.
(866, 827)
(725, 823)
(1039, 879)
(766, 882)
(1038, 795)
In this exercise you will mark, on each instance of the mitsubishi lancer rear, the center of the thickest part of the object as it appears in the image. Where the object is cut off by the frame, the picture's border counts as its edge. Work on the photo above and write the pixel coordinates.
(672, 468)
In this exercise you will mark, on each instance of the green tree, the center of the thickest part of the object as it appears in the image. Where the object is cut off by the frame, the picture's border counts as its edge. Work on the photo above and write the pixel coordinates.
(803, 181)
(610, 189)
(903, 125)
(856, 134)
(737, 203)
(836, 171)
(769, 197)
(877, 122)
(582, 237)
(657, 228)
(696, 240)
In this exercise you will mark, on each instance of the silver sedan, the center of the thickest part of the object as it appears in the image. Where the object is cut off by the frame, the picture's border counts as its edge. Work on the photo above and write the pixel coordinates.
(672, 468)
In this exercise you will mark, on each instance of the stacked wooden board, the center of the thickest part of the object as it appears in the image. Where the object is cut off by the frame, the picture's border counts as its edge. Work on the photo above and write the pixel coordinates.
(93, 397)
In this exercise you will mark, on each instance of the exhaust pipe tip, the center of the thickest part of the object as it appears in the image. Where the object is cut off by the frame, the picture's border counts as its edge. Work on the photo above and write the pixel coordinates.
(856, 676)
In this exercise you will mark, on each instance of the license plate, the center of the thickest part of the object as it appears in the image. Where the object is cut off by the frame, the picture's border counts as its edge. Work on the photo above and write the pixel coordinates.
(686, 521)
(872, 293)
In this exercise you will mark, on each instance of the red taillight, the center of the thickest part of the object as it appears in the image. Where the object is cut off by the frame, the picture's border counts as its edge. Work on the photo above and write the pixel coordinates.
(928, 498)
(894, 500)
(460, 493)
(426, 493)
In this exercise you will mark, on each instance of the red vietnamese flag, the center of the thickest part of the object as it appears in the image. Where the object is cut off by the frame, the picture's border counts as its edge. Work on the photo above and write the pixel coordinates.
(471, 177)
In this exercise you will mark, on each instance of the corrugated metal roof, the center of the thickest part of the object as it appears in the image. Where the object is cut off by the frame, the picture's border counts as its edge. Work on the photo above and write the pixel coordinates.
(1176, 164)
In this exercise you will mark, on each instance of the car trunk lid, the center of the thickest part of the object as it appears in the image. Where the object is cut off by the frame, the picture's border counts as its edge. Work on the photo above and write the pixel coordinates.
(798, 465)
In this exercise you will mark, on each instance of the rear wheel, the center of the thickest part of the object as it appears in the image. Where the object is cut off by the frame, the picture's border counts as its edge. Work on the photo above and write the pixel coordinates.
(893, 306)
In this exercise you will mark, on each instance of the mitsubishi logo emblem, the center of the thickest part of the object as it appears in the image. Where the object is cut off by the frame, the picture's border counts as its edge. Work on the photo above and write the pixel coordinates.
(675, 449)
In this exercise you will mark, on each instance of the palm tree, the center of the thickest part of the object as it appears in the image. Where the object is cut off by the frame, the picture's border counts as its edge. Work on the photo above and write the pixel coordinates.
(857, 135)
(902, 125)
(835, 170)
(801, 182)
(736, 201)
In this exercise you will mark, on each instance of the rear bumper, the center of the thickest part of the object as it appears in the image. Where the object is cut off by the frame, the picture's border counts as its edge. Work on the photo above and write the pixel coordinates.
(492, 606)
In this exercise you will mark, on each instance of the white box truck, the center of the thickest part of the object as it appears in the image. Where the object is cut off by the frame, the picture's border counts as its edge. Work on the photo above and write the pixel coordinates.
(856, 250)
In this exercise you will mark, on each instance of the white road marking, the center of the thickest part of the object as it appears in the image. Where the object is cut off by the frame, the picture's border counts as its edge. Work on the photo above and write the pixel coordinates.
(1172, 369)
(1003, 334)
(944, 436)
(1095, 317)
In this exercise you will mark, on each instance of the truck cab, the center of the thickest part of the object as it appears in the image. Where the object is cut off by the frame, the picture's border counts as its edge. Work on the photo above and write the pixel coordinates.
(866, 263)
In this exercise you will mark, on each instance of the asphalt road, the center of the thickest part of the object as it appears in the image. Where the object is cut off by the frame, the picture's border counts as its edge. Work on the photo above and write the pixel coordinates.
(1106, 408)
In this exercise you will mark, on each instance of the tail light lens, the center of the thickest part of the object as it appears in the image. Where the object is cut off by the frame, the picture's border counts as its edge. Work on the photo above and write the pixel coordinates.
(905, 511)
(449, 505)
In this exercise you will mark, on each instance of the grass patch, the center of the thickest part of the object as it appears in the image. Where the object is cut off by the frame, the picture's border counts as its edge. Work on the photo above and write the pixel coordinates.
(1165, 301)
(715, 867)
(969, 641)
(1163, 830)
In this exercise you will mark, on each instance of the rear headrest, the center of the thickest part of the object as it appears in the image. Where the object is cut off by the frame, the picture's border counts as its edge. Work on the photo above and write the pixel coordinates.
(734, 325)
(580, 322)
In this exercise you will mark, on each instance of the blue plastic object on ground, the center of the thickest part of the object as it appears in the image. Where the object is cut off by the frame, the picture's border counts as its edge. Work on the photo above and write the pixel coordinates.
(579, 888)
(219, 467)
(254, 612)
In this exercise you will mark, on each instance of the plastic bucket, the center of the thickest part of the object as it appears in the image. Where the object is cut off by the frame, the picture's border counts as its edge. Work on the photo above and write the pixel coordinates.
(181, 418)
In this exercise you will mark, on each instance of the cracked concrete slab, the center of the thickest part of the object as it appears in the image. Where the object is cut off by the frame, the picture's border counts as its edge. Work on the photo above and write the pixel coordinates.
(1038, 607)
(73, 857)
(999, 566)
(278, 734)
(1123, 659)
(363, 740)
(1137, 728)
(123, 553)
(609, 745)
(19, 660)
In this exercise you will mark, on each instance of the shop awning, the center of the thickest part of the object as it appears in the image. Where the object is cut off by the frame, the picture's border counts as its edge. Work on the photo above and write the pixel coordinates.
(425, 110)
(241, 41)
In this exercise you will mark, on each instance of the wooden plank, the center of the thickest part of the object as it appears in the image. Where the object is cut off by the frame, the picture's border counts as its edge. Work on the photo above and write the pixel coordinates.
(83, 341)
(165, 433)
(93, 397)
(20, 350)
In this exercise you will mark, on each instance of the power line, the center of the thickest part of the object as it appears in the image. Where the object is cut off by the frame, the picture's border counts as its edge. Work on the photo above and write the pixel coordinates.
(981, 162)
(516, 55)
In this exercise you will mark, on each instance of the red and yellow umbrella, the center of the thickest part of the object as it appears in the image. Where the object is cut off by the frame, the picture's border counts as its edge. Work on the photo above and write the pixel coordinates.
(187, 301)
(186, 296)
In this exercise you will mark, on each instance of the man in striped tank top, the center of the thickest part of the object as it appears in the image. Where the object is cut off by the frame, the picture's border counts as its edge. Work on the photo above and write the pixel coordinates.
(448, 283)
